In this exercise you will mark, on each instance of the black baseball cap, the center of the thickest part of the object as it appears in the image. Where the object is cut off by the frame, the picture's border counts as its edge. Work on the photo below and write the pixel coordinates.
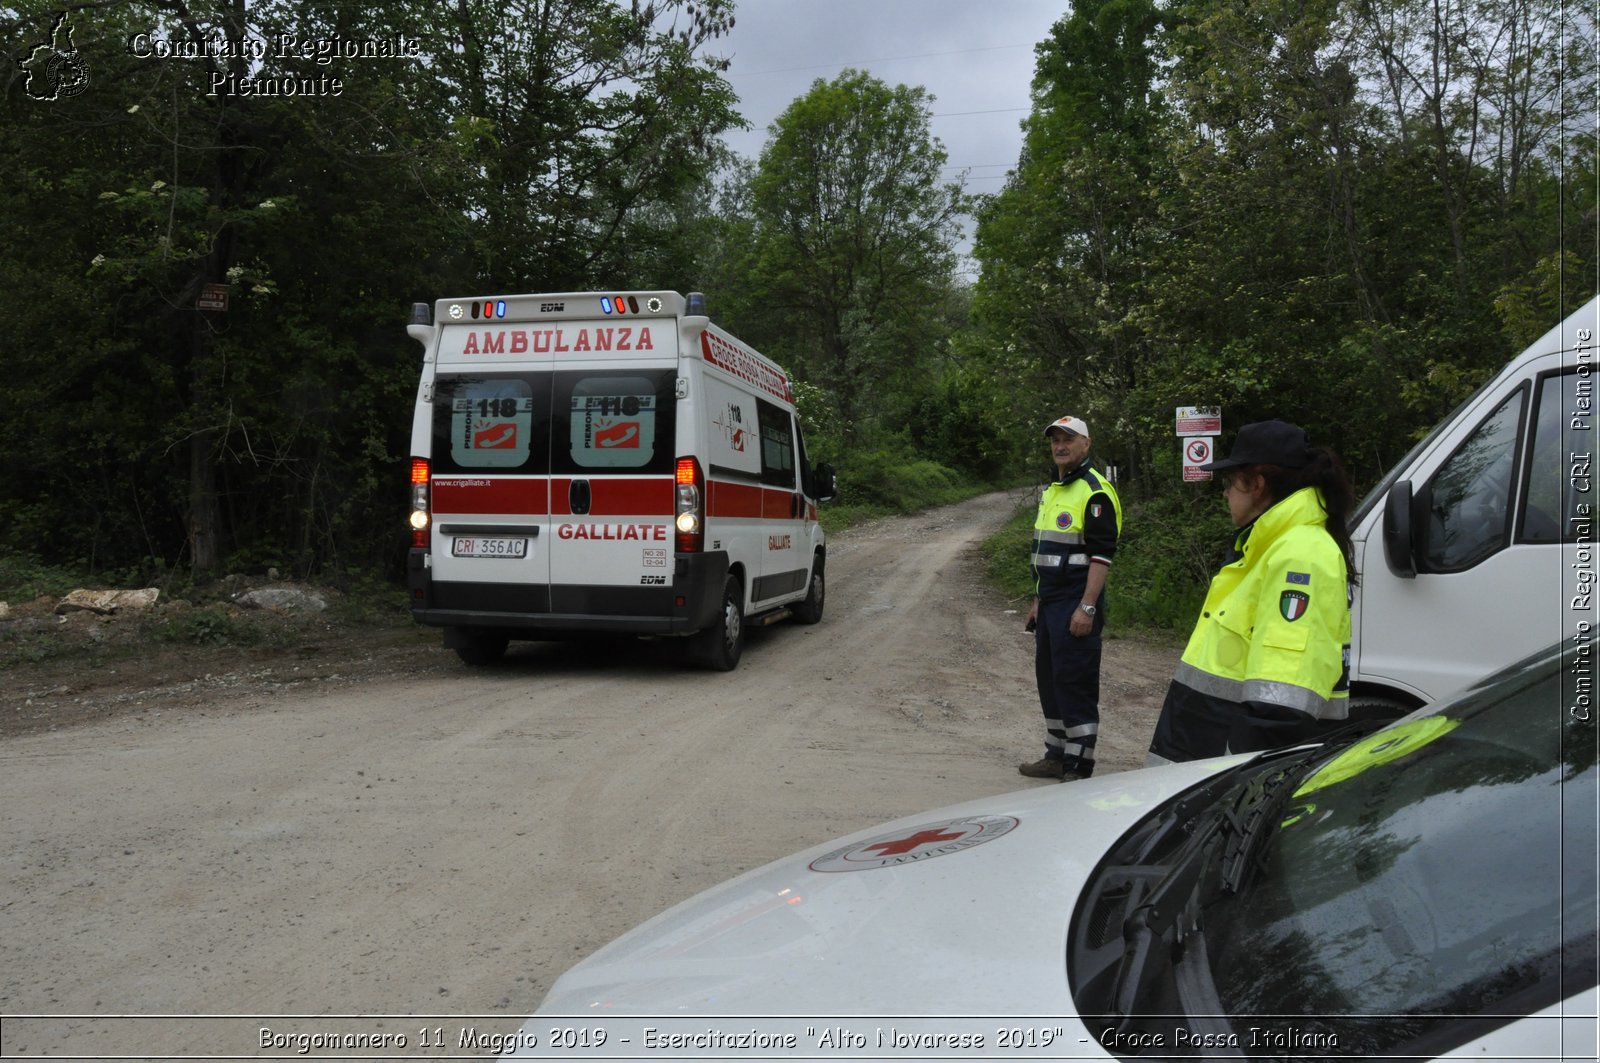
(1267, 443)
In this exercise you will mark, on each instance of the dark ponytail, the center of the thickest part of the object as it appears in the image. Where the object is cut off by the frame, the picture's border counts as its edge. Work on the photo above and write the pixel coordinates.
(1326, 473)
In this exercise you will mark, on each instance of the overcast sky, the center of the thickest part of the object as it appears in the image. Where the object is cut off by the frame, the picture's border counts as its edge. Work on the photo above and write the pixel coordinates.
(975, 58)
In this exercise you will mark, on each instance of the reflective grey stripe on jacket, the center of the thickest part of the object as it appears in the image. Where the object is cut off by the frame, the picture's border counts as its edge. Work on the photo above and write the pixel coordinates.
(1269, 691)
(1057, 560)
(1070, 538)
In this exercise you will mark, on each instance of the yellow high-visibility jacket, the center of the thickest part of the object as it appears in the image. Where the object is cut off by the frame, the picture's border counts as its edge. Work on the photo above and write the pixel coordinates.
(1275, 627)
(1079, 520)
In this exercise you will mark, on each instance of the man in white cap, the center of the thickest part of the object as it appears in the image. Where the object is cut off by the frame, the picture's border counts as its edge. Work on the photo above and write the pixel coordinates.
(1074, 539)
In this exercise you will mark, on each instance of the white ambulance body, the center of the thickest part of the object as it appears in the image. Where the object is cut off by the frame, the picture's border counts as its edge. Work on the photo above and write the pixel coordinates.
(604, 463)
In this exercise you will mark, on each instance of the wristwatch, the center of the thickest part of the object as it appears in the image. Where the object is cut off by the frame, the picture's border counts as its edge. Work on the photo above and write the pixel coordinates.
(1088, 609)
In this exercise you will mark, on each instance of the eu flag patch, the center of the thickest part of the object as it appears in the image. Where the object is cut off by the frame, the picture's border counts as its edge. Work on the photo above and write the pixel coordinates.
(1302, 578)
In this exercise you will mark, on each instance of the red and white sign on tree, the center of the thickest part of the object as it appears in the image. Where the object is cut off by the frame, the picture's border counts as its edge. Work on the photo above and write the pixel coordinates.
(1199, 420)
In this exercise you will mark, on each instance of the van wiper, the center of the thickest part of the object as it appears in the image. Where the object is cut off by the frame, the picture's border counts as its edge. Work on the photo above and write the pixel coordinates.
(1217, 857)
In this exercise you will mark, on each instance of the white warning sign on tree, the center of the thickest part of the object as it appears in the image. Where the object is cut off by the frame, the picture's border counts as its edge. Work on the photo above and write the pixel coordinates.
(1197, 451)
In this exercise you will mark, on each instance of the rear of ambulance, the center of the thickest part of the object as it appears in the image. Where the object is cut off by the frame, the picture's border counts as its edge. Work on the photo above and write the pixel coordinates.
(546, 493)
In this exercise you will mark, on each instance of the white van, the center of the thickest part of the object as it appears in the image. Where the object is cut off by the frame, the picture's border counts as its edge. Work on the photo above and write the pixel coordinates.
(1478, 548)
(606, 463)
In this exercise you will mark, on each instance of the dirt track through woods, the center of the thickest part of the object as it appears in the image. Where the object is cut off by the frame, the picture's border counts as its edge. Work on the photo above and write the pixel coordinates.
(448, 841)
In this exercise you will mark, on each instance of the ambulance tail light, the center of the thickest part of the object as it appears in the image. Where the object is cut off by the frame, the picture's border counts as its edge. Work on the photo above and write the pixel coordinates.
(420, 517)
(689, 520)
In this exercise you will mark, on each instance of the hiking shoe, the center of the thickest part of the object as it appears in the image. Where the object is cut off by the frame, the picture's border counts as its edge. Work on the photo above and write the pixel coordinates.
(1046, 768)
(1076, 773)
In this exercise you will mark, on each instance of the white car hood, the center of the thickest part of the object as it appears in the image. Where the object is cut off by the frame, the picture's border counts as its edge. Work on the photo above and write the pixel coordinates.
(959, 911)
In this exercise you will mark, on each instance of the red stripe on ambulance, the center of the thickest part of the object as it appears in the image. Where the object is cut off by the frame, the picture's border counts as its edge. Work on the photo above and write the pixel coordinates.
(483, 494)
(746, 365)
(619, 497)
(755, 503)
(724, 499)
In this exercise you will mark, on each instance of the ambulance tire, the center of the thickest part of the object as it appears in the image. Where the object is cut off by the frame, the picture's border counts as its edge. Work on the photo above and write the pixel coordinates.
(483, 649)
(718, 647)
(810, 610)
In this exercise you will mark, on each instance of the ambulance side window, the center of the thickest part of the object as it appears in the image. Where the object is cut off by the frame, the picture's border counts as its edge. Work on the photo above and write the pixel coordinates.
(777, 445)
(490, 423)
(614, 421)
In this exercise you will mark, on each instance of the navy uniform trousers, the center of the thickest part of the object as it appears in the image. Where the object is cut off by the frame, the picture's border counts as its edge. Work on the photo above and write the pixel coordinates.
(1068, 670)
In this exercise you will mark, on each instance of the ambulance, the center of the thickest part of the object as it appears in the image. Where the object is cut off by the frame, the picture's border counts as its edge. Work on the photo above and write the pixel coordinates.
(589, 463)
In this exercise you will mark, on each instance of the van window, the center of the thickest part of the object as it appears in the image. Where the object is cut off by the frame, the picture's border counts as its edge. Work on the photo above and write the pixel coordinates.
(1470, 506)
(614, 421)
(777, 445)
(495, 422)
(1550, 512)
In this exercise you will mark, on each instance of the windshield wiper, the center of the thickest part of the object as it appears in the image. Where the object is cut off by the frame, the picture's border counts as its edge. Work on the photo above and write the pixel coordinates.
(1220, 852)
(1256, 809)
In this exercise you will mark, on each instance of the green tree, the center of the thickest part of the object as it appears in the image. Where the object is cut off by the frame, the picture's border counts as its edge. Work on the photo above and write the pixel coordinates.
(1062, 245)
(275, 432)
(852, 235)
(588, 119)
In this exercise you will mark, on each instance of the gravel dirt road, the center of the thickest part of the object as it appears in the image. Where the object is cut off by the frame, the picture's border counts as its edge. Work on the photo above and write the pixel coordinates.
(367, 827)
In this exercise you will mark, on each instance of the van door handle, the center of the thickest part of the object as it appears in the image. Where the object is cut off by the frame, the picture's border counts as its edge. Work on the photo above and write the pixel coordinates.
(579, 497)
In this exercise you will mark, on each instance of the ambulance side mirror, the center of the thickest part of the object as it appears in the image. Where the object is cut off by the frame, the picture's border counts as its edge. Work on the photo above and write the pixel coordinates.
(824, 479)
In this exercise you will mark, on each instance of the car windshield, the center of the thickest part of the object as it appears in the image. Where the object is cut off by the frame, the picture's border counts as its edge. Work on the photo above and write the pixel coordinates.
(1443, 867)
(1398, 893)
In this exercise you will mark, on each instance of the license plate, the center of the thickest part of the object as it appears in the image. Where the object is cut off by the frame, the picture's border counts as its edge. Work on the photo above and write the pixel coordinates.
(465, 547)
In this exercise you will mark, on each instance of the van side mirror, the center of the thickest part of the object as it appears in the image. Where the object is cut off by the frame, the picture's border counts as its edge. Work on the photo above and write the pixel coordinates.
(1399, 541)
(824, 478)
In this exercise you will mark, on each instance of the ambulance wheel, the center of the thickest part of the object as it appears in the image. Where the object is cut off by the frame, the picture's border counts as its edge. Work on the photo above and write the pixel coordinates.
(718, 646)
(810, 610)
(483, 649)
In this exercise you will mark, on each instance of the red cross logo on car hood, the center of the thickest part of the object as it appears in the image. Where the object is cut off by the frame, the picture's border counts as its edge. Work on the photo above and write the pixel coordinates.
(917, 844)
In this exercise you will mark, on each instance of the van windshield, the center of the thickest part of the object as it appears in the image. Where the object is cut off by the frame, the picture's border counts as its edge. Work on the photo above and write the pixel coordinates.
(1375, 496)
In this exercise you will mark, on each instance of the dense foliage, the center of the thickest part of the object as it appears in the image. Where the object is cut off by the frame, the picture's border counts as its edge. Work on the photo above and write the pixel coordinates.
(1339, 213)
(1333, 211)
(508, 146)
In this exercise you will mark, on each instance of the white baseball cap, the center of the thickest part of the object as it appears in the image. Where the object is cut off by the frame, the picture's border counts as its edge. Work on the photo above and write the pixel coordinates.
(1068, 423)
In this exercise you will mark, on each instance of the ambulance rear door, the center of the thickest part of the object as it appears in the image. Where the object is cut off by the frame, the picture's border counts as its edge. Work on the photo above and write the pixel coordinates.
(491, 470)
(612, 461)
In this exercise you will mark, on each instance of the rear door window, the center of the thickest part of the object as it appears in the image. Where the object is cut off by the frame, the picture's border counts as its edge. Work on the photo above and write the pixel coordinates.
(565, 423)
(491, 423)
(614, 421)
